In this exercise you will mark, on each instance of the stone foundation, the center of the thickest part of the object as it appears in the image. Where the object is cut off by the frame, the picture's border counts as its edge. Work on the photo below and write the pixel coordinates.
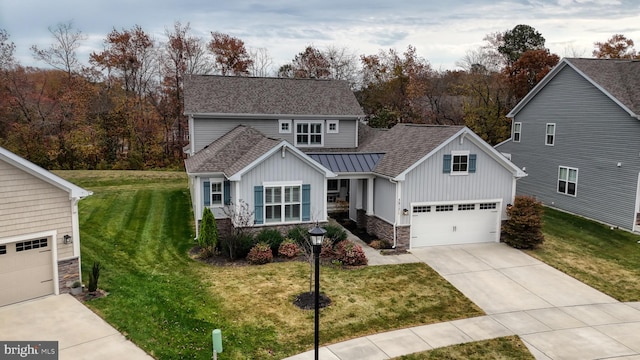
(68, 273)
(384, 231)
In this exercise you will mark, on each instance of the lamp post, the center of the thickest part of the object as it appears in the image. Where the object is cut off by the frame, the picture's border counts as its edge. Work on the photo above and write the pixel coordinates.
(317, 235)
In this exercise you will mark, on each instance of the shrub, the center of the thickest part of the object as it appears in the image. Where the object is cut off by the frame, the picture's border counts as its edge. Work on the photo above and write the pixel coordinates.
(335, 233)
(289, 249)
(299, 235)
(208, 237)
(380, 244)
(523, 230)
(93, 277)
(237, 246)
(271, 237)
(350, 254)
(260, 254)
(327, 251)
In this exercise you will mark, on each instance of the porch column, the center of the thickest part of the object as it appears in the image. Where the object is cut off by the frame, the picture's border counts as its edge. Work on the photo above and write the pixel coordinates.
(370, 196)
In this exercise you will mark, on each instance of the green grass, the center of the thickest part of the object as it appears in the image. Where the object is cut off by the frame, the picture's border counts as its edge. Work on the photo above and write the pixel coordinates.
(138, 225)
(505, 348)
(608, 260)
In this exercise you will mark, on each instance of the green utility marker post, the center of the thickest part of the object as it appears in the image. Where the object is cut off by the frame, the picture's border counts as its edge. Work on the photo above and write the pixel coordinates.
(217, 343)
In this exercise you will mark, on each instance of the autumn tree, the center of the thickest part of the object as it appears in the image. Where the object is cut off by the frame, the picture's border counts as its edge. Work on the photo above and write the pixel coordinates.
(231, 56)
(61, 54)
(309, 64)
(519, 40)
(617, 47)
(7, 49)
(529, 69)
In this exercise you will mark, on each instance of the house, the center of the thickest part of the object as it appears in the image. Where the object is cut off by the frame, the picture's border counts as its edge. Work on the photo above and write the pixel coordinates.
(39, 235)
(576, 135)
(288, 148)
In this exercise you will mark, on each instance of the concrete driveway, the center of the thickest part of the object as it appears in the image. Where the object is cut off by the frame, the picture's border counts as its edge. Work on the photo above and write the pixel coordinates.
(81, 334)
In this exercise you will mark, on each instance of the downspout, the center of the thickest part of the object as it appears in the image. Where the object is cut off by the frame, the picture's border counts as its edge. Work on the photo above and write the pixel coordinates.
(395, 215)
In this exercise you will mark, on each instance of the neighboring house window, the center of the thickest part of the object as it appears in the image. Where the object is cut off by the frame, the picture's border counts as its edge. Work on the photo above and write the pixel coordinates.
(308, 133)
(517, 129)
(551, 134)
(282, 203)
(3, 249)
(332, 127)
(459, 163)
(216, 192)
(284, 126)
(567, 180)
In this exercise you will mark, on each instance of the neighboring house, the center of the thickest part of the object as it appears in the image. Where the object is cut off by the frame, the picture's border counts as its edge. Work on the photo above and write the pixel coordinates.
(287, 148)
(576, 134)
(39, 235)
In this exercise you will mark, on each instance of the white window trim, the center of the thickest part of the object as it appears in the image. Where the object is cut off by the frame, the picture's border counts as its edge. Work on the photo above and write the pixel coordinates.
(282, 185)
(333, 122)
(553, 134)
(567, 181)
(295, 133)
(518, 132)
(211, 192)
(283, 131)
(459, 153)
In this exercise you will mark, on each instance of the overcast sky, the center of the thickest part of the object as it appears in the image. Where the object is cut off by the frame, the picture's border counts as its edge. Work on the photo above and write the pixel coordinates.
(441, 30)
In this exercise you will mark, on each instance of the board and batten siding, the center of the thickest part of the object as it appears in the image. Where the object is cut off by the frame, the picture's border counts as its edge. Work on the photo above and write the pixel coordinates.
(206, 130)
(384, 193)
(428, 183)
(290, 168)
(30, 205)
(593, 134)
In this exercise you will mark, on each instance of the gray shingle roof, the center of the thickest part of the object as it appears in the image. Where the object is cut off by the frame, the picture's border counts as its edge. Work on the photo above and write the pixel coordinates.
(404, 144)
(231, 153)
(211, 94)
(619, 77)
(349, 162)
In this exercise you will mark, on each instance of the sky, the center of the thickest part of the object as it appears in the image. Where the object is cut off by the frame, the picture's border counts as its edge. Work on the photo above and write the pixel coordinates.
(442, 31)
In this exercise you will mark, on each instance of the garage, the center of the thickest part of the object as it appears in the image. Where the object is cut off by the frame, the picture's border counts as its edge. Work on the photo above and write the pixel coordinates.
(26, 270)
(455, 223)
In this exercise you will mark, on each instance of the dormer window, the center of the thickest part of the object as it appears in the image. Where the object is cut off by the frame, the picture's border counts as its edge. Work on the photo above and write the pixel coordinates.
(284, 126)
(308, 133)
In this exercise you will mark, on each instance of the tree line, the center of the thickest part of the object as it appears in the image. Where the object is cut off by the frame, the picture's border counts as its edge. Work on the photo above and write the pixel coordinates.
(123, 108)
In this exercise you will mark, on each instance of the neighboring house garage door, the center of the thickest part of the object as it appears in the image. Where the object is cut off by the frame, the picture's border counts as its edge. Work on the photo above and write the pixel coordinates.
(459, 223)
(26, 270)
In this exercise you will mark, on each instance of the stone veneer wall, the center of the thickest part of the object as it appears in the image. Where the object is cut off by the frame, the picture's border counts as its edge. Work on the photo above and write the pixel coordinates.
(68, 273)
(383, 230)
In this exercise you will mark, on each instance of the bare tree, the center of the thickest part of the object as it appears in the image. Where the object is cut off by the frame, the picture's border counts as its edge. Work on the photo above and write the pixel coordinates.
(262, 64)
(62, 53)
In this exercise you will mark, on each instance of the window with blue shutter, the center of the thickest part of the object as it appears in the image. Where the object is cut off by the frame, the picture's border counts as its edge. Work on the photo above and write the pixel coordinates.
(306, 202)
(206, 193)
(227, 192)
(258, 200)
(446, 163)
(472, 163)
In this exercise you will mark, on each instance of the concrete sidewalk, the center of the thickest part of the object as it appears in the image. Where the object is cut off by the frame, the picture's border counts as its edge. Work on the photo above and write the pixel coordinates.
(556, 316)
(81, 334)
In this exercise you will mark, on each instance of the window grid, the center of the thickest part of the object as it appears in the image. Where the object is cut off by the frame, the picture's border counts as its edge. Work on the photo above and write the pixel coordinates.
(31, 244)
(279, 198)
(488, 206)
(551, 134)
(567, 180)
(441, 208)
(460, 163)
(517, 129)
(309, 134)
(216, 193)
(463, 207)
(421, 209)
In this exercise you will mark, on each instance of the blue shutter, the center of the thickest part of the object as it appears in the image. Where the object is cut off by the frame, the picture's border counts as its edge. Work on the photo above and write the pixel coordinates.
(227, 192)
(206, 193)
(446, 163)
(472, 163)
(306, 202)
(258, 200)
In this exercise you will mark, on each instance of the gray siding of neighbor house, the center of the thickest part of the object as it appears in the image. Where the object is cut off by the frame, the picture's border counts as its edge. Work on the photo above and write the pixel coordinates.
(384, 193)
(289, 168)
(593, 134)
(428, 183)
(207, 130)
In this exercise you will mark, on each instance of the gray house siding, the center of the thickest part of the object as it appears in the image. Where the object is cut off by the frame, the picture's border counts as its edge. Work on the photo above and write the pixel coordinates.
(384, 194)
(206, 130)
(428, 183)
(593, 134)
(290, 168)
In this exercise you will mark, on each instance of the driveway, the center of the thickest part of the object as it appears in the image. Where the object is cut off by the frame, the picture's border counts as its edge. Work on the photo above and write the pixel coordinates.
(556, 316)
(81, 334)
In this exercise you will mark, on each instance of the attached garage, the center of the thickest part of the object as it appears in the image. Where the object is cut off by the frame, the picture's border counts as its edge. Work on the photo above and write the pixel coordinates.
(26, 270)
(455, 223)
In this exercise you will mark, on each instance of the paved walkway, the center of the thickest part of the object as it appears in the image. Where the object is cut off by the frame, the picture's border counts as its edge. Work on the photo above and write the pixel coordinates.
(556, 316)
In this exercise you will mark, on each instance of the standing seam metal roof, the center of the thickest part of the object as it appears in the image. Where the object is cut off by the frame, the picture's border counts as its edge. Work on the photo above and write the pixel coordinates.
(348, 163)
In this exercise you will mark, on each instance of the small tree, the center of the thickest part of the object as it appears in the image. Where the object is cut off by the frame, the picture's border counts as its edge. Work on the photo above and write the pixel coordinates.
(208, 237)
(93, 277)
(523, 230)
(240, 241)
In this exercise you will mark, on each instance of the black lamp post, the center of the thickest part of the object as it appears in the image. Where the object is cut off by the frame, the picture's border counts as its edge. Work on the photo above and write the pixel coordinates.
(317, 235)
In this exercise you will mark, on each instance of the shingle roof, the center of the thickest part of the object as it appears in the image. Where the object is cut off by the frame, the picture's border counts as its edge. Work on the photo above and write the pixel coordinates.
(619, 77)
(349, 162)
(404, 144)
(212, 94)
(231, 153)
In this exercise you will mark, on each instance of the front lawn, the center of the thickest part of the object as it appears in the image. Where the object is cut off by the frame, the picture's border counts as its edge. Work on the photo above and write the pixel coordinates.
(505, 348)
(608, 260)
(138, 225)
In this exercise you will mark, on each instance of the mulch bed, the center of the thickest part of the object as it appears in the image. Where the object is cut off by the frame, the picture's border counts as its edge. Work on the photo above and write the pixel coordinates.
(306, 301)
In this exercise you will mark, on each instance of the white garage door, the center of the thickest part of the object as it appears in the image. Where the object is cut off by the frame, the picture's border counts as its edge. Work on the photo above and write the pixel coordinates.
(26, 270)
(460, 223)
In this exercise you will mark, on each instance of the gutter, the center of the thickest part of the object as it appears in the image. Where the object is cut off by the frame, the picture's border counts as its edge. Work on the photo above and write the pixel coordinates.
(395, 215)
